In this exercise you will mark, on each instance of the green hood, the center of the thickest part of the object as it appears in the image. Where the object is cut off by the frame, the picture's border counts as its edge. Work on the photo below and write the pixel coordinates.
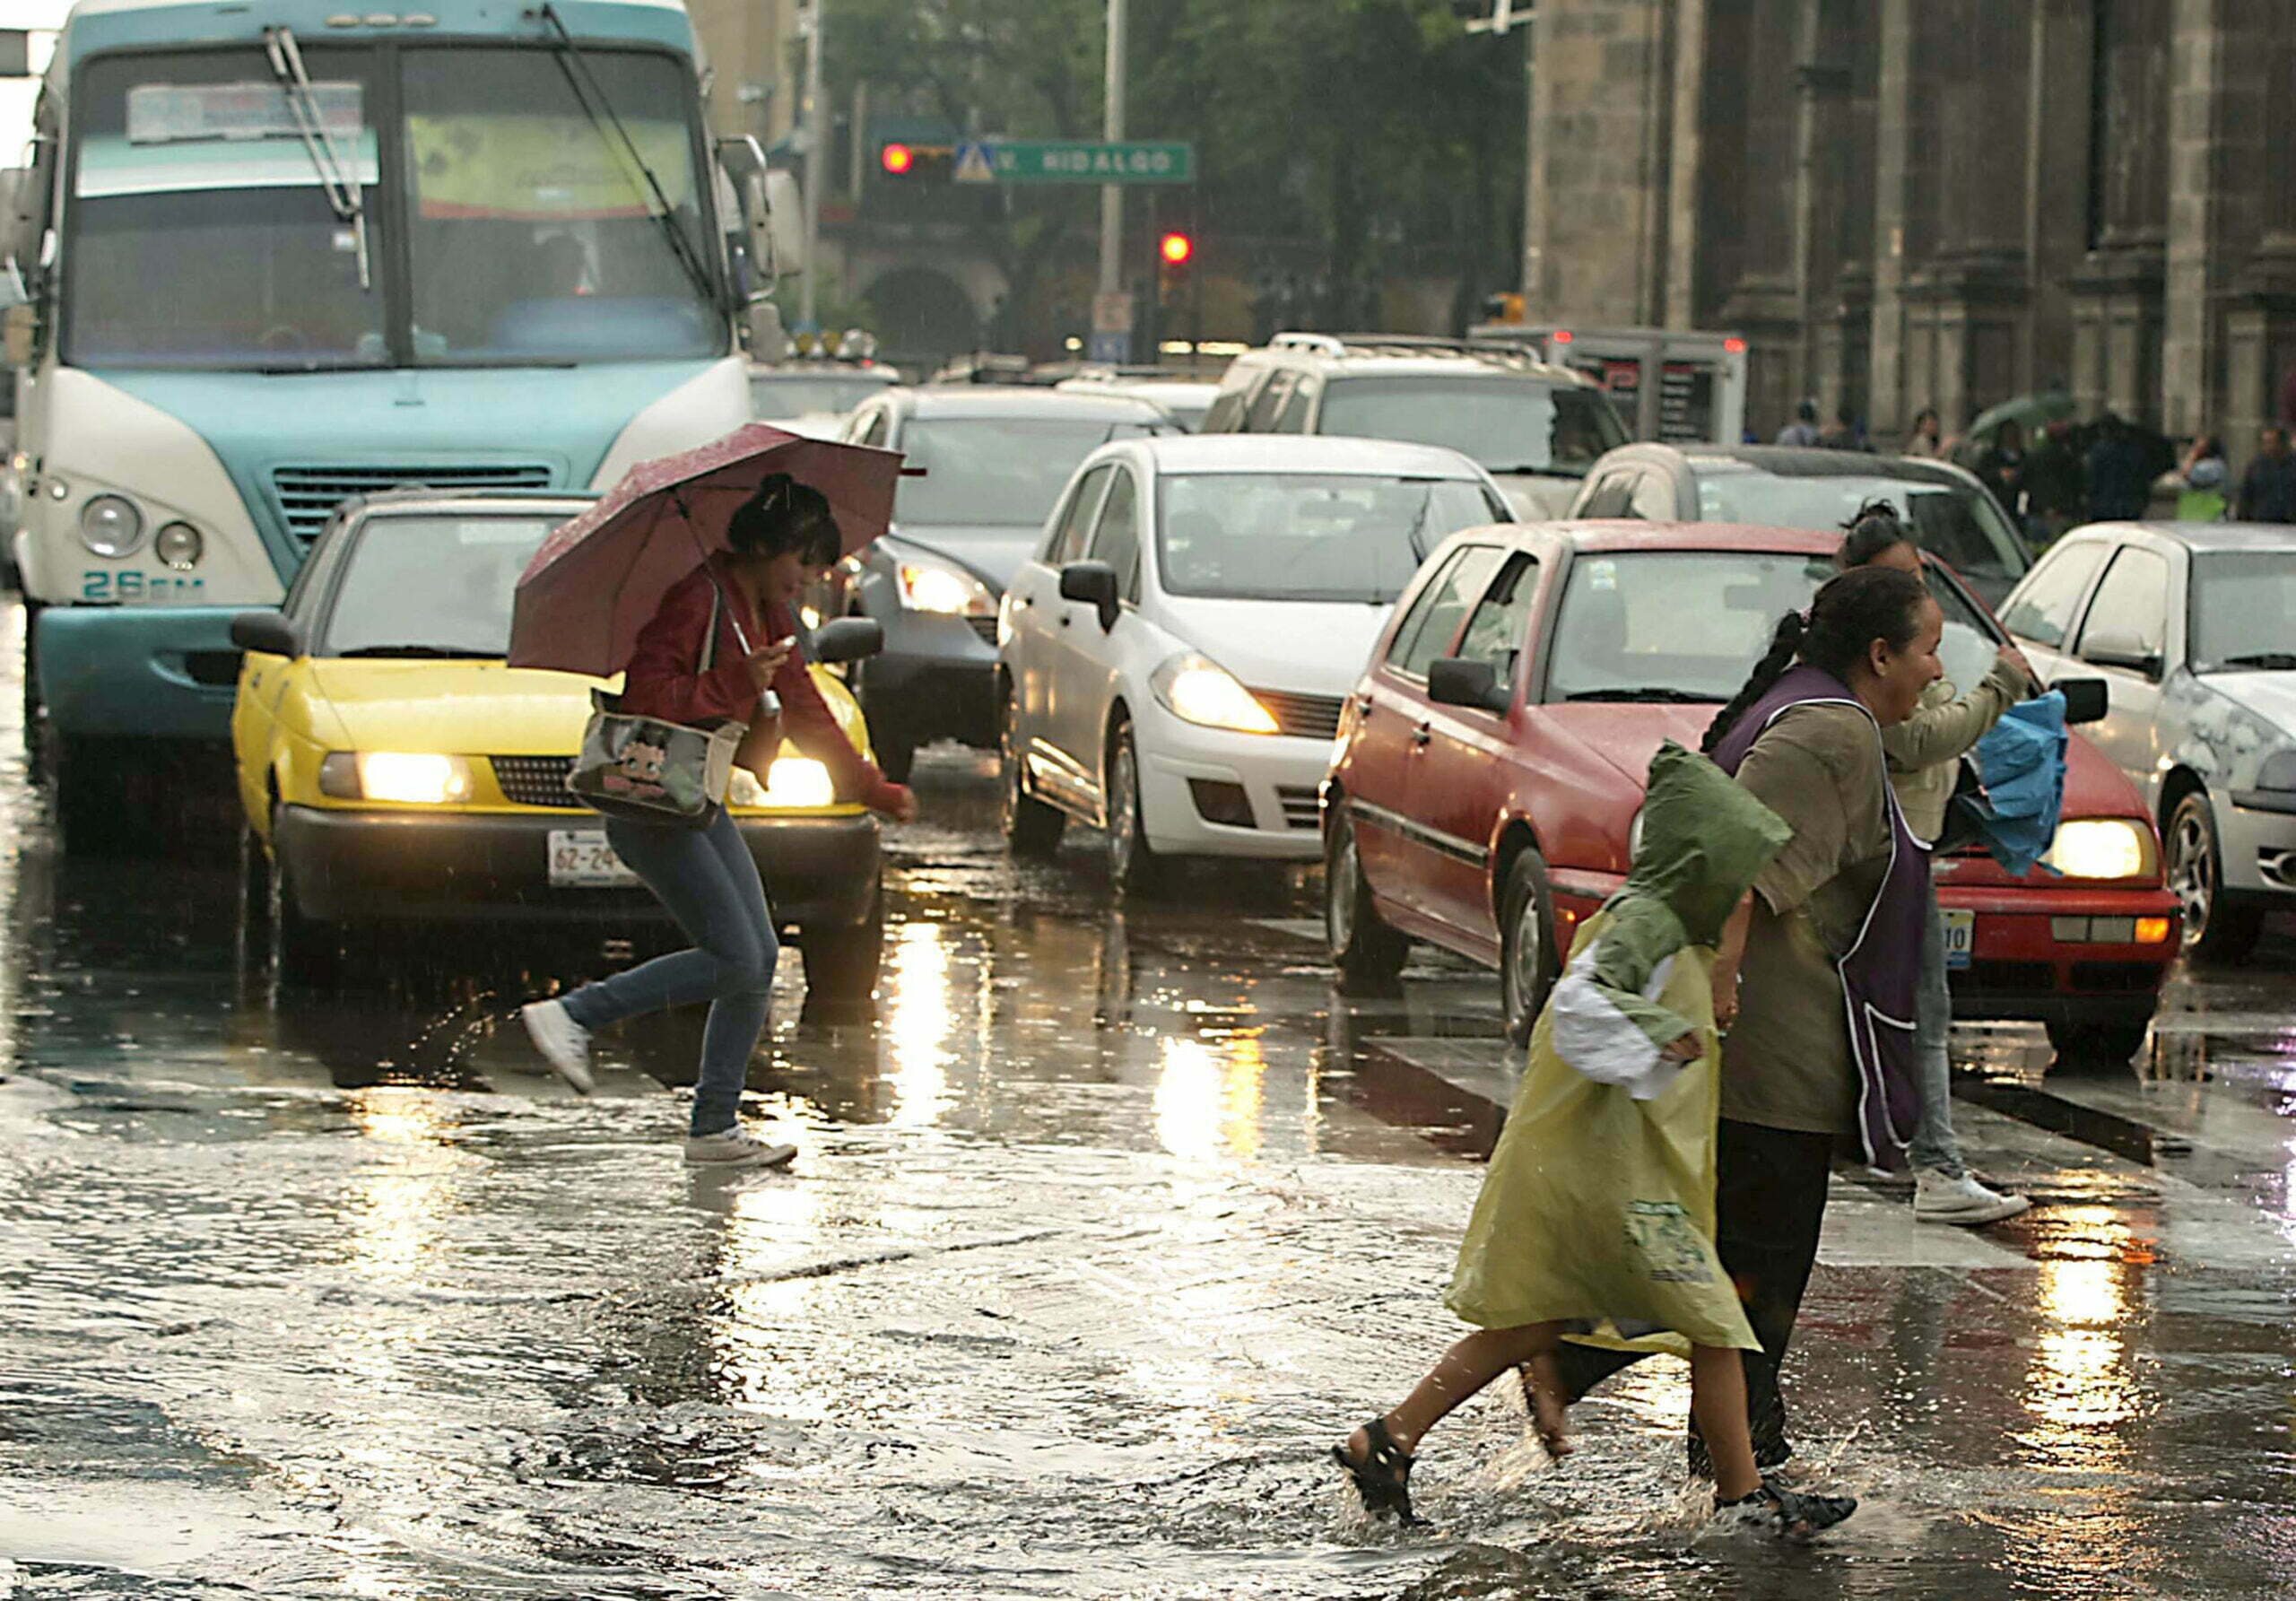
(1704, 840)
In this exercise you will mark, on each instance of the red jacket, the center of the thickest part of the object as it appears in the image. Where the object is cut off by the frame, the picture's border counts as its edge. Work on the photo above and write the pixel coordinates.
(664, 681)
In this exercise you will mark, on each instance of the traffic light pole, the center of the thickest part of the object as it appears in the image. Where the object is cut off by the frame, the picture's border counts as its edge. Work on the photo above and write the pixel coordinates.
(815, 109)
(1112, 194)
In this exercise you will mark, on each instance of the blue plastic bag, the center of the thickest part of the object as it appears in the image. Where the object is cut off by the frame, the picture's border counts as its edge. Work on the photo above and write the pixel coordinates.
(2023, 762)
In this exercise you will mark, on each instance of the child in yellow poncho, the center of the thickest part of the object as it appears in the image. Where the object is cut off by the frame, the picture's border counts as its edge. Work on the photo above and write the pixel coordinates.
(1597, 1217)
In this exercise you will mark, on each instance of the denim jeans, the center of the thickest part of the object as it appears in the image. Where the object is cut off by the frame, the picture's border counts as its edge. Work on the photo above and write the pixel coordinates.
(709, 881)
(1934, 1146)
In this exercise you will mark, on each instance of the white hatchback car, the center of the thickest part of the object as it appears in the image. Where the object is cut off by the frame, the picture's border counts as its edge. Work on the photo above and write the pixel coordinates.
(1172, 659)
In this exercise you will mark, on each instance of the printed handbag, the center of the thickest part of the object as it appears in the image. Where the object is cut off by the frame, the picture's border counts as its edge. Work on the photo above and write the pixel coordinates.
(643, 770)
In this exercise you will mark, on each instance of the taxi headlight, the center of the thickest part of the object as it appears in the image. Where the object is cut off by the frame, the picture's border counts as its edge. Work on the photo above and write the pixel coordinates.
(111, 526)
(409, 778)
(1197, 690)
(2102, 848)
(793, 783)
(180, 545)
(932, 586)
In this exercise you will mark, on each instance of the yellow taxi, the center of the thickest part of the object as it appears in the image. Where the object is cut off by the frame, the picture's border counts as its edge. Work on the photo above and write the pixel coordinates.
(395, 770)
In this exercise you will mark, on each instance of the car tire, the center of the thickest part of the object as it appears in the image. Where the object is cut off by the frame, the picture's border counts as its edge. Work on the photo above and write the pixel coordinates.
(1033, 828)
(2096, 1044)
(306, 952)
(1529, 961)
(891, 743)
(842, 966)
(2218, 926)
(254, 895)
(1367, 951)
(1133, 867)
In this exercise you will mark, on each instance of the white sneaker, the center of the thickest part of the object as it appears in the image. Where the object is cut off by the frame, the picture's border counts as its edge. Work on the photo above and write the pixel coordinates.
(735, 1148)
(565, 1043)
(1938, 1199)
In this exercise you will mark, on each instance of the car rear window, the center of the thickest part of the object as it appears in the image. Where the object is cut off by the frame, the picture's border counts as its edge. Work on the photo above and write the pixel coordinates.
(992, 472)
(1506, 424)
(1332, 536)
(1689, 625)
(1958, 522)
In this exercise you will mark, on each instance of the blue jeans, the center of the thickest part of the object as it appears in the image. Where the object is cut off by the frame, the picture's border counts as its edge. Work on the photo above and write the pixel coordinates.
(1934, 1146)
(709, 881)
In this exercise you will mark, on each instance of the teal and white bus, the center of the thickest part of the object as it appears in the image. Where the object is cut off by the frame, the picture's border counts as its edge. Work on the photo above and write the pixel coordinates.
(275, 253)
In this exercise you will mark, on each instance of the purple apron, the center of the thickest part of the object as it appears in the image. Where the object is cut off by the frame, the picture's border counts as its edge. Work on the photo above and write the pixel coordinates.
(1881, 970)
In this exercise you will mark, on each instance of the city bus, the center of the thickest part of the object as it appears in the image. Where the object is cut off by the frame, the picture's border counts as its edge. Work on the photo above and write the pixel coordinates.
(269, 256)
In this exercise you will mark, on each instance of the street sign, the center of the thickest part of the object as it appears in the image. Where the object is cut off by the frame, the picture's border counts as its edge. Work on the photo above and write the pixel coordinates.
(1093, 161)
(1114, 348)
(973, 163)
(1112, 313)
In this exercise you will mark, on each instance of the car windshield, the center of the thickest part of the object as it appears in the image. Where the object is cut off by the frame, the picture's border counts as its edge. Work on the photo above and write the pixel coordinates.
(989, 472)
(793, 394)
(1325, 537)
(1660, 625)
(2241, 604)
(1957, 523)
(422, 584)
(1505, 424)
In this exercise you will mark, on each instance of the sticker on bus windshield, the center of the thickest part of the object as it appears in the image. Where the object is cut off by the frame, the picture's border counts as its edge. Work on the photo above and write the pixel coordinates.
(544, 169)
(166, 113)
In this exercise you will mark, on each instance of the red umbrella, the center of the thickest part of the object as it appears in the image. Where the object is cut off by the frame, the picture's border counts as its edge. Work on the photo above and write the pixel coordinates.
(596, 581)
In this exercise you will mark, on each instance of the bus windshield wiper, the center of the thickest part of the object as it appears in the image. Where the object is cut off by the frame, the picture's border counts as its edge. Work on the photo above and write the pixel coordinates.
(602, 115)
(338, 178)
(1672, 697)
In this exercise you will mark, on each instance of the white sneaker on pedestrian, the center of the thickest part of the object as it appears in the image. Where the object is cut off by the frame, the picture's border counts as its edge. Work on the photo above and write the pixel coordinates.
(735, 1148)
(1961, 1200)
(565, 1043)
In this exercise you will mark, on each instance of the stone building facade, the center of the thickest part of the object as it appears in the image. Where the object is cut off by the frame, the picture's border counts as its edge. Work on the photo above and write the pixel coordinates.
(1910, 202)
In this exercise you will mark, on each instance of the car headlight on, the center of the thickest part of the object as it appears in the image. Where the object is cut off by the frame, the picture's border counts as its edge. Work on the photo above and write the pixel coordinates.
(111, 526)
(793, 783)
(180, 545)
(2102, 848)
(407, 777)
(1197, 690)
(935, 587)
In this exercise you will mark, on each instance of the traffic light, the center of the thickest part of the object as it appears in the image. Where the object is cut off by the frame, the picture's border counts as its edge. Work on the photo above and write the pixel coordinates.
(902, 161)
(1175, 249)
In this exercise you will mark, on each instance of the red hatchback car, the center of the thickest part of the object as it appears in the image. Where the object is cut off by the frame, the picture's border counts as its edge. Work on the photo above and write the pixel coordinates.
(1486, 786)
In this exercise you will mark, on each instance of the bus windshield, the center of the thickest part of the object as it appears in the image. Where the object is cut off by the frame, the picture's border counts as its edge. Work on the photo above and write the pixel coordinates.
(537, 233)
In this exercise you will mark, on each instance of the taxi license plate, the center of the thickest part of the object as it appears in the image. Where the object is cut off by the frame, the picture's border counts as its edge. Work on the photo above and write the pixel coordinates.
(1961, 937)
(581, 860)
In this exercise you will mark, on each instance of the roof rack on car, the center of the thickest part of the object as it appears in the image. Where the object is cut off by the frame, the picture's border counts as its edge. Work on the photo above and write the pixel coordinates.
(1501, 352)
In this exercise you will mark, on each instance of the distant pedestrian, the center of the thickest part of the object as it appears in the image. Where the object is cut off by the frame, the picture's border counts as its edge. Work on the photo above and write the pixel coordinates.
(2268, 488)
(2117, 470)
(1925, 753)
(2057, 493)
(779, 540)
(1842, 433)
(1802, 433)
(1925, 439)
(2001, 468)
(2205, 477)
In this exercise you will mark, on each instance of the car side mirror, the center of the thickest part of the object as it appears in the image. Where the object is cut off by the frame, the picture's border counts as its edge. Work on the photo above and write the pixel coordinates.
(847, 639)
(269, 633)
(2086, 700)
(1094, 583)
(1458, 681)
(2113, 649)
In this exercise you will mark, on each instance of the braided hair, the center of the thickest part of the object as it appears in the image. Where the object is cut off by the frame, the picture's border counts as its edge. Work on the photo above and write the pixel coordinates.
(785, 516)
(1873, 528)
(1852, 610)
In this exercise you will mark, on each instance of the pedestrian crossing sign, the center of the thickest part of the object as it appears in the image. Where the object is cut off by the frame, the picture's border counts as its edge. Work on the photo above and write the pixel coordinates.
(973, 165)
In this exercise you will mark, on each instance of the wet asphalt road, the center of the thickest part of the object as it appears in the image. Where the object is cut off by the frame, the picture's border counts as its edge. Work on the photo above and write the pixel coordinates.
(1100, 1233)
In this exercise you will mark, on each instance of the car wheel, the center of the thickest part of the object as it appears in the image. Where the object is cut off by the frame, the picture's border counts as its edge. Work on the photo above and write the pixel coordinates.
(1366, 951)
(2096, 1044)
(1031, 828)
(306, 952)
(842, 966)
(1133, 867)
(1527, 959)
(2217, 928)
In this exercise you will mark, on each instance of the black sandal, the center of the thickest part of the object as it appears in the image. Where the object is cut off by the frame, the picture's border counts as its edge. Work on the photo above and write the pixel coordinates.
(1383, 1479)
(1790, 1514)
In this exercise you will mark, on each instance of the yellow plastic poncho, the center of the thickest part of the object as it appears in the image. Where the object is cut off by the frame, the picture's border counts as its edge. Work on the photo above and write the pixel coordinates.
(1599, 1206)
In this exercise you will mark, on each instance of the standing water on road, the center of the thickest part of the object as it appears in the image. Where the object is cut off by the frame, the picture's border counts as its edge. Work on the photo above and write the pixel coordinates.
(1101, 1234)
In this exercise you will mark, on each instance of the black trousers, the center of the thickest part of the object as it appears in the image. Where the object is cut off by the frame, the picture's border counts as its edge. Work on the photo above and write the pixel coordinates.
(1770, 1198)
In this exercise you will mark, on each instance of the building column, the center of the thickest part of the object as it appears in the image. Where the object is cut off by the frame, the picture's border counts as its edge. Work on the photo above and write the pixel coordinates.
(1685, 164)
(1892, 412)
(2195, 267)
(2057, 185)
(1599, 187)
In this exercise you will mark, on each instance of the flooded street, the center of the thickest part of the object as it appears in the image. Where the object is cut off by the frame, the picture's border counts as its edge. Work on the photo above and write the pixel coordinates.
(1097, 1238)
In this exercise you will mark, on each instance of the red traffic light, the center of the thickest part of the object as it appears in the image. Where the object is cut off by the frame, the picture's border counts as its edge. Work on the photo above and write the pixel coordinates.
(896, 159)
(1176, 249)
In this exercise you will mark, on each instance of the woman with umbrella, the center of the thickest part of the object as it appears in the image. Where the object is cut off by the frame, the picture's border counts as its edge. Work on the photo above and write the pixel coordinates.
(776, 541)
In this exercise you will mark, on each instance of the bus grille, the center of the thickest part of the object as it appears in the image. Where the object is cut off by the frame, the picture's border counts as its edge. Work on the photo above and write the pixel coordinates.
(308, 496)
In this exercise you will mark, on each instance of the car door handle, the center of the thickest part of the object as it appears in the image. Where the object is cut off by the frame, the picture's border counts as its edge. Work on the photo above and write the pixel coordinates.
(1421, 736)
(1363, 704)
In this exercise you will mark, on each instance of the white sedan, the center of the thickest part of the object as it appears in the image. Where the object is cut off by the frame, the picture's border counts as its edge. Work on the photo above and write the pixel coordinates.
(1172, 658)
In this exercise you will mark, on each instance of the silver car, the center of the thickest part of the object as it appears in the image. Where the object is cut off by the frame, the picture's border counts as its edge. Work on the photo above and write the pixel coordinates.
(2193, 627)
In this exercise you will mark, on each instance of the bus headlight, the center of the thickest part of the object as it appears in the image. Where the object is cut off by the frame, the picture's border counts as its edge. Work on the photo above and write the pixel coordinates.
(180, 545)
(2102, 848)
(111, 526)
